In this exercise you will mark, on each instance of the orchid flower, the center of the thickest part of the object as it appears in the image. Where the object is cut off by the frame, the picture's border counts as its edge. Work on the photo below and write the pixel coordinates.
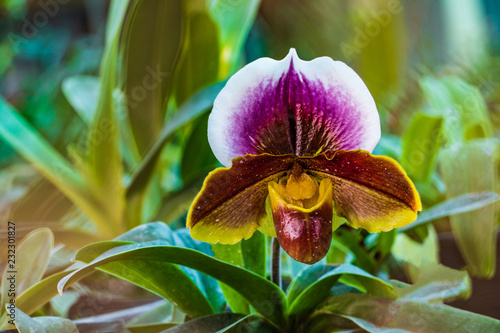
(296, 139)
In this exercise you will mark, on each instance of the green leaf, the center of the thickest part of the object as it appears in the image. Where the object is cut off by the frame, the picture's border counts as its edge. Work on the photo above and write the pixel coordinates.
(213, 323)
(312, 286)
(435, 282)
(116, 13)
(147, 233)
(421, 142)
(381, 57)
(367, 283)
(380, 245)
(236, 302)
(166, 280)
(30, 260)
(90, 252)
(176, 204)
(104, 167)
(151, 328)
(472, 167)
(254, 251)
(160, 312)
(25, 324)
(191, 109)
(464, 111)
(470, 103)
(162, 278)
(226, 323)
(158, 231)
(37, 295)
(352, 241)
(204, 286)
(82, 92)
(24, 138)
(385, 242)
(304, 279)
(197, 158)
(234, 20)
(322, 322)
(432, 192)
(416, 253)
(200, 61)
(263, 295)
(62, 304)
(150, 44)
(371, 314)
(209, 286)
(253, 324)
(94, 324)
(339, 252)
(233, 255)
(141, 178)
(250, 254)
(461, 204)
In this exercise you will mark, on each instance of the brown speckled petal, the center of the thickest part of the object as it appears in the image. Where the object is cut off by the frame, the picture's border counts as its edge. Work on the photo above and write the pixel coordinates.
(371, 192)
(231, 204)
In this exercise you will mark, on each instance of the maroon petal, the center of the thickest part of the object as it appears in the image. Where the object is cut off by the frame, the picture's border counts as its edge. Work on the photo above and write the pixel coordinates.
(304, 233)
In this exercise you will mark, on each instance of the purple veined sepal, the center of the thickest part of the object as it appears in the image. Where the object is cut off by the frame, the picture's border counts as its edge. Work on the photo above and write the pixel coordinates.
(295, 107)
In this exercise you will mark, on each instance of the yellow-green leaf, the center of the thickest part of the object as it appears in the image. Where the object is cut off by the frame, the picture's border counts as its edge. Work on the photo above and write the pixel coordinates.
(472, 167)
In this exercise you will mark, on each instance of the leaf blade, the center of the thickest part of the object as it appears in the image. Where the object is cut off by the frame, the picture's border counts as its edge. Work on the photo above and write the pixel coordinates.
(408, 315)
(310, 295)
(148, 64)
(263, 295)
(82, 92)
(25, 324)
(458, 205)
(28, 269)
(421, 142)
(472, 167)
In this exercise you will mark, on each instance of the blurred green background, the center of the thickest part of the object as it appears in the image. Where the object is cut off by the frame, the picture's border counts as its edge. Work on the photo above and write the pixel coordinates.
(101, 132)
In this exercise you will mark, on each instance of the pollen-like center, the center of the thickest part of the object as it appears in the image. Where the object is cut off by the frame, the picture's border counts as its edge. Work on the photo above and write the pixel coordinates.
(298, 188)
(301, 187)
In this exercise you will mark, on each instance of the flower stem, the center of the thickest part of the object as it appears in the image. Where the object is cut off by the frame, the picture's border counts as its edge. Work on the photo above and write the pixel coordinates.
(276, 263)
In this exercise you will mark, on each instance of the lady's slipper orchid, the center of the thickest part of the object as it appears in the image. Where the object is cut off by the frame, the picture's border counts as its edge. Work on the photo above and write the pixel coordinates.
(299, 133)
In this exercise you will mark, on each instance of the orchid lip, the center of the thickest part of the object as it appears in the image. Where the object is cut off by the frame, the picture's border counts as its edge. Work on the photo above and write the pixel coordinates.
(304, 233)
